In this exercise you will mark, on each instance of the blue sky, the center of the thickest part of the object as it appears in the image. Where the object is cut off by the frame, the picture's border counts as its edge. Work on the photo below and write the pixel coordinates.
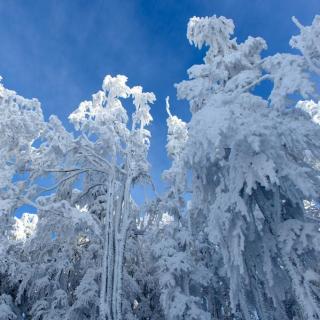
(60, 51)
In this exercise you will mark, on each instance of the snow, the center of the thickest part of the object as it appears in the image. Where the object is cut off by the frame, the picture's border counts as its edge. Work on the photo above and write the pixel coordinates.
(234, 236)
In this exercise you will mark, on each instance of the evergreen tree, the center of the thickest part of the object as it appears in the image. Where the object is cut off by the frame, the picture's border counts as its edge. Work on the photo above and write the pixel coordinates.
(252, 162)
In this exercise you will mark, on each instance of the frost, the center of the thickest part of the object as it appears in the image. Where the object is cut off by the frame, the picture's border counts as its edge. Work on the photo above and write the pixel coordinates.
(234, 236)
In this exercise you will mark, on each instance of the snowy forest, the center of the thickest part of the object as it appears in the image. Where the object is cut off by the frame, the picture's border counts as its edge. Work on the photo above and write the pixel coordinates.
(236, 234)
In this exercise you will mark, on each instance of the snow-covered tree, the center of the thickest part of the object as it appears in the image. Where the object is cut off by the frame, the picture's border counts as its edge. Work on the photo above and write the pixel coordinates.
(252, 163)
(123, 152)
(85, 212)
(234, 237)
(177, 270)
